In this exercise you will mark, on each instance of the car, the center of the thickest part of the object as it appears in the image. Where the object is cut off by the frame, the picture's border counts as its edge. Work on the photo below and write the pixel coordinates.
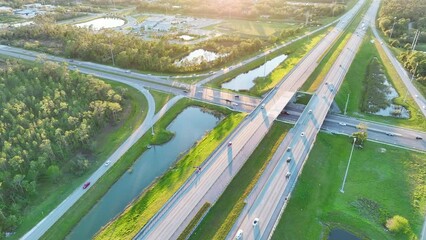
(390, 134)
(86, 185)
(229, 144)
(289, 159)
(127, 71)
(185, 91)
(286, 113)
(107, 163)
(326, 83)
(310, 111)
(288, 149)
(255, 222)
(416, 96)
(287, 175)
(235, 104)
(419, 138)
(71, 60)
(262, 106)
(342, 123)
(302, 134)
(239, 234)
(237, 96)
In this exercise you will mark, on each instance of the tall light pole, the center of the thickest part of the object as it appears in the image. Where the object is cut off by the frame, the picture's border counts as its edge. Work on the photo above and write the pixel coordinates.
(394, 21)
(346, 105)
(347, 168)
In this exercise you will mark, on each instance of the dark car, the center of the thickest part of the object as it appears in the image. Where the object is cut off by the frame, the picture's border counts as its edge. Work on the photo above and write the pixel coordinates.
(419, 138)
(86, 185)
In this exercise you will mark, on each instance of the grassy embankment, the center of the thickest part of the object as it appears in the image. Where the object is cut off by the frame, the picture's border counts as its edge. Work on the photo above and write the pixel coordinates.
(295, 52)
(354, 85)
(161, 98)
(317, 77)
(221, 217)
(382, 181)
(50, 196)
(138, 214)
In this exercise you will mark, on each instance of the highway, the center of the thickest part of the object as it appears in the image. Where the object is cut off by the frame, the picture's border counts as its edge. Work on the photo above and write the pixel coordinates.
(378, 132)
(243, 102)
(219, 168)
(268, 198)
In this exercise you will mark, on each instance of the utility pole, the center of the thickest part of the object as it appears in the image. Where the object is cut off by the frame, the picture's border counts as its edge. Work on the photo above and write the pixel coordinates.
(346, 105)
(347, 168)
(411, 80)
(416, 38)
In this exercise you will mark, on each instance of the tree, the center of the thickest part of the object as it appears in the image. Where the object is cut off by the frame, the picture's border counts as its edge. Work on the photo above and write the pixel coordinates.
(361, 136)
(53, 173)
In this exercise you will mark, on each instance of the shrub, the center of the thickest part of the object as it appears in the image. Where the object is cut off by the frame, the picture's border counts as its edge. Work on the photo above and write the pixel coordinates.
(398, 224)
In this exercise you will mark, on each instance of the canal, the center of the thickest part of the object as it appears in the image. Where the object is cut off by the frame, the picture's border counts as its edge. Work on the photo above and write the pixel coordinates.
(189, 126)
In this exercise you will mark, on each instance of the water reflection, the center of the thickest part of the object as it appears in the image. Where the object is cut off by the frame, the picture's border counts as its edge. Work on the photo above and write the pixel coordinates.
(245, 81)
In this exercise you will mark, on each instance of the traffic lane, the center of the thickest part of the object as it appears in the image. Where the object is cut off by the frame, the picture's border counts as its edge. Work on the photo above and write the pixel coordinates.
(292, 113)
(379, 136)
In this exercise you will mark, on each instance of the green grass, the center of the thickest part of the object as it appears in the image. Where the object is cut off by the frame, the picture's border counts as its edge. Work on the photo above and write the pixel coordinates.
(262, 28)
(161, 98)
(185, 234)
(105, 143)
(296, 51)
(221, 217)
(303, 98)
(317, 77)
(354, 85)
(393, 179)
(138, 214)
(9, 18)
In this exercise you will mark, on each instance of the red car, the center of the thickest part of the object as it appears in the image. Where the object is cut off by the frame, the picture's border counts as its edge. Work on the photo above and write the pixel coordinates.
(86, 185)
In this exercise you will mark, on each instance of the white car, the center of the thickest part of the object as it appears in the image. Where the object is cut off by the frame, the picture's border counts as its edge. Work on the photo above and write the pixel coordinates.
(342, 123)
(255, 222)
(239, 234)
(107, 163)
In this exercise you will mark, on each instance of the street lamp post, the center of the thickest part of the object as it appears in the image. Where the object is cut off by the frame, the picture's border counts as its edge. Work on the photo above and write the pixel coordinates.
(347, 168)
(346, 105)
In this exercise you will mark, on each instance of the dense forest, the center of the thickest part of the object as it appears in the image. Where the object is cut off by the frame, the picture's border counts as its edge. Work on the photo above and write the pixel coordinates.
(244, 8)
(130, 51)
(48, 116)
(400, 20)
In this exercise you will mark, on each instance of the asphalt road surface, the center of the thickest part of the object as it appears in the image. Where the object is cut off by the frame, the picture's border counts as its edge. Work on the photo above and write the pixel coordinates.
(268, 198)
(219, 169)
(378, 132)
